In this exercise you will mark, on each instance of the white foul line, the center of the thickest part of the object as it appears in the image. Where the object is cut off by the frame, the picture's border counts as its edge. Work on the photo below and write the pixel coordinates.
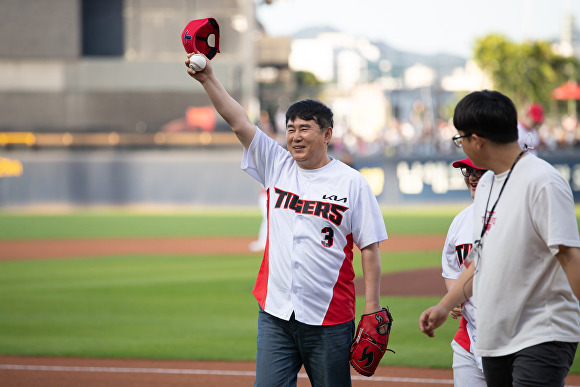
(124, 370)
(17, 367)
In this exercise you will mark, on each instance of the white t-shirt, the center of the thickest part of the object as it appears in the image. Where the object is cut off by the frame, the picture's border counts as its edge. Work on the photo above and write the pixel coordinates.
(520, 289)
(314, 217)
(457, 246)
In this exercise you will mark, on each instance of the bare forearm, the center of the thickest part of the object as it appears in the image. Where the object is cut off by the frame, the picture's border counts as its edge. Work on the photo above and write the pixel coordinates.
(456, 312)
(449, 283)
(231, 111)
(371, 265)
(461, 290)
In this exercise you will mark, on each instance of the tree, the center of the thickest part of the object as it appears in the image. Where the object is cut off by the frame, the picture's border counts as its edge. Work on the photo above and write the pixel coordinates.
(526, 72)
(307, 85)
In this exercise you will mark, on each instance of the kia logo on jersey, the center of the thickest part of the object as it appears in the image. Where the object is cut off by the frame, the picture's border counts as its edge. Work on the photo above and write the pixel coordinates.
(334, 197)
(329, 211)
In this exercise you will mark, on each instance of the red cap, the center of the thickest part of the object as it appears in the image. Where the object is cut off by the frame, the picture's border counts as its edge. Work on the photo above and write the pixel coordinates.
(536, 111)
(195, 37)
(465, 163)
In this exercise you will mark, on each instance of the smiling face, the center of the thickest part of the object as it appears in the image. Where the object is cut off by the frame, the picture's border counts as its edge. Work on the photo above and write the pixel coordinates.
(307, 143)
(472, 180)
(471, 183)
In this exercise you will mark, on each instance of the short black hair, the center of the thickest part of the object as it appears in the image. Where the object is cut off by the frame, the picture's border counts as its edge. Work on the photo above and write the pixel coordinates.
(489, 114)
(309, 109)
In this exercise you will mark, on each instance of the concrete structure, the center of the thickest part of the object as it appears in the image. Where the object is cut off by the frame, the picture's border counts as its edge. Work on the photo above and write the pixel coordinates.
(113, 65)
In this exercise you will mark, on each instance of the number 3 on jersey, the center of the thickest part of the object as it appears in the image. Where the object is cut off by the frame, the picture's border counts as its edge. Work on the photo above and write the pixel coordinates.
(328, 237)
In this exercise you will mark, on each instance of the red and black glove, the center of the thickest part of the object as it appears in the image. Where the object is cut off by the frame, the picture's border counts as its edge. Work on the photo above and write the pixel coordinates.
(370, 341)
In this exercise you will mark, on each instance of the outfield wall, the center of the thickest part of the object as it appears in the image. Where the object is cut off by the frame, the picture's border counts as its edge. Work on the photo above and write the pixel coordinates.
(210, 177)
(434, 180)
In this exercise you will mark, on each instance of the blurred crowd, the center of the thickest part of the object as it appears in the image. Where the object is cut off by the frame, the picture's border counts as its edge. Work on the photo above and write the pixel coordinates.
(416, 136)
(400, 138)
(565, 134)
(403, 138)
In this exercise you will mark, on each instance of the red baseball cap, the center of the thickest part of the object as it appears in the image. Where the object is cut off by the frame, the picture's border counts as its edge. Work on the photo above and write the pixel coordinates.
(196, 34)
(536, 111)
(465, 163)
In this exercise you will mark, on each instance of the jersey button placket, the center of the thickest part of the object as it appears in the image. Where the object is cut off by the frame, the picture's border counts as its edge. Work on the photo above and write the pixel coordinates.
(296, 265)
(296, 289)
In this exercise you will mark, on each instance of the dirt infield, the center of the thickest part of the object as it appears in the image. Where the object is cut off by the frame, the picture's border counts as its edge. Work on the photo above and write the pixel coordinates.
(75, 248)
(18, 371)
(25, 371)
(67, 372)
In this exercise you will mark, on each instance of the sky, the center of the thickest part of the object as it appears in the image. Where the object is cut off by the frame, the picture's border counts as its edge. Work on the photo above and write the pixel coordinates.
(422, 26)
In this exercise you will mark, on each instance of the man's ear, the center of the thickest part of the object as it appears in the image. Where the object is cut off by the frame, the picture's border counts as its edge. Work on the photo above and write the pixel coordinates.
(327, 134)
(478, 141)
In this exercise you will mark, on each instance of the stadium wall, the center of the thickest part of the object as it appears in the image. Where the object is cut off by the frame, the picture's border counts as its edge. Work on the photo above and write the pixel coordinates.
(209, 177)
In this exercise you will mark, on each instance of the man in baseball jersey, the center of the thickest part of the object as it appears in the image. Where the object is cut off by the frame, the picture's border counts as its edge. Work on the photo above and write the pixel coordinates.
(318, 208)
(525, 274)
(467, 368)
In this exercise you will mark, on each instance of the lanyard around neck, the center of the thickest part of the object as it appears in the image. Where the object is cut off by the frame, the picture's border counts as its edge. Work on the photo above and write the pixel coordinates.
(487, 219)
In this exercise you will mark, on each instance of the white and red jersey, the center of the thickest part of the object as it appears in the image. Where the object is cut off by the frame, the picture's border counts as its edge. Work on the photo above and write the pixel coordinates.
(314, 218)
(457, 246)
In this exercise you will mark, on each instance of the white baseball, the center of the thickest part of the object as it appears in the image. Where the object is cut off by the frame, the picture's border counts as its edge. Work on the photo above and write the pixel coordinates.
(197, 62)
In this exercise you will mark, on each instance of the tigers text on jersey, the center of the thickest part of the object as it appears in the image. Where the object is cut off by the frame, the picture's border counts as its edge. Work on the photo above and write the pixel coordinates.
(314, 218)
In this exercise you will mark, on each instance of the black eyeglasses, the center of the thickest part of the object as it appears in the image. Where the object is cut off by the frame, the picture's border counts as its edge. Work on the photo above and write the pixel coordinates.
(458, 139)
(468, 171)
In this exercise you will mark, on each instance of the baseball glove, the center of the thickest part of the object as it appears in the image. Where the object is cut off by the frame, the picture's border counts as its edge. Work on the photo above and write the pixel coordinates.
(370, 341)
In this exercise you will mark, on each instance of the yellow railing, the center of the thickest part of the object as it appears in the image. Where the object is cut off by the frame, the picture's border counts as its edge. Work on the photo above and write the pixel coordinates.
(111, 139)
(25, 138)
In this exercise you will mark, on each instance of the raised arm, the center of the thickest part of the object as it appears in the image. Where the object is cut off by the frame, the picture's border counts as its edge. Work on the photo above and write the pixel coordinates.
(226, 106)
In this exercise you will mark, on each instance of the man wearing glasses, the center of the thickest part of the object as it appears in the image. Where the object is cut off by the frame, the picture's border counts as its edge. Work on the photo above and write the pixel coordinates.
(525, 270)
(467, 368)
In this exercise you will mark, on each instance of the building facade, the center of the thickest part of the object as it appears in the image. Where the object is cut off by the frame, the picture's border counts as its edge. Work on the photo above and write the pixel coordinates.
(113, 65)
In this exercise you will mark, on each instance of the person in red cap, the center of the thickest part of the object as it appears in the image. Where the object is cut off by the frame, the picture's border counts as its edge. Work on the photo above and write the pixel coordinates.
(467, 368)
(528, 127)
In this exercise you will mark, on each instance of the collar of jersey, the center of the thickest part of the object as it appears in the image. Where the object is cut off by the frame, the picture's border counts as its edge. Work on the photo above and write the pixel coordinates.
(307, 172)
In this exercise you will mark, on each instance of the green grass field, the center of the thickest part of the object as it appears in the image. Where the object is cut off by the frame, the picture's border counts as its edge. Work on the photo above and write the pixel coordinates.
(174, 307)
(109, 224)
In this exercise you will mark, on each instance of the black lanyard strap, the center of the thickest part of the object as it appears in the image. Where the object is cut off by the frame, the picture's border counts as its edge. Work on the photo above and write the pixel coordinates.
(486, 218)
